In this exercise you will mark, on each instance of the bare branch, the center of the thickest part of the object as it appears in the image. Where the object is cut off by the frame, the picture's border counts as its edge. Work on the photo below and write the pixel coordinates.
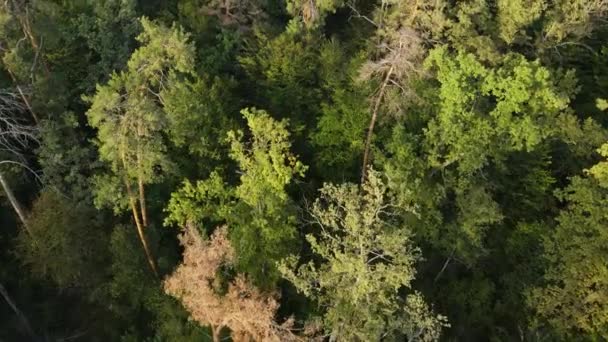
(357, 14)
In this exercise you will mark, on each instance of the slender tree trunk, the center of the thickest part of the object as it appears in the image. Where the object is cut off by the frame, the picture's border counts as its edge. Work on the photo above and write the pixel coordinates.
(140, 182)
(140, 229)
(26, 27)
(16, 206)
(445, 266)
(370, 130)
(22, 317)
(138, 223)
(27, 104)
(142, 203)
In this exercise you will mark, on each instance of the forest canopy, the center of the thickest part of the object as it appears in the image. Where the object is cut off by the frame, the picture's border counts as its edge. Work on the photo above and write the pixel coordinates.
(298, 170)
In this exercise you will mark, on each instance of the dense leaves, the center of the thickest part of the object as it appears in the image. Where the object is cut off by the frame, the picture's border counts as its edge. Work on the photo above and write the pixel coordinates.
(367, 258)
(334, 170)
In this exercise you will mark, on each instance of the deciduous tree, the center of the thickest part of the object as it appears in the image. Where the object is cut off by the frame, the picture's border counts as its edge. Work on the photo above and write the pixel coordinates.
(260, 215)
(237, 305)
(366, 259)
(575, 291)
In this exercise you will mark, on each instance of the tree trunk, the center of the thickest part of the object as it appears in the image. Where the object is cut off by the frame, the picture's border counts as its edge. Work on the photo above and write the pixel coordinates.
(140, 229)
(142, 203)
(15, 203)
(24, 21)
(140, 182)
(27, 104)
(370, 130)
(445, 265)
(138, 223)
(22, 318)
(215, 331)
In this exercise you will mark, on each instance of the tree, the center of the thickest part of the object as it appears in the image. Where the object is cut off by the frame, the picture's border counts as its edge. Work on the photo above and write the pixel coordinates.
(366, 258)
(258, 211)
(484, 115)
(539, 28)
(311, 12)
(237, 305)
(66, 242)
(263, 220)
(129, 117)
(516, 148)
(199, 115)
(403, 28)
(283, 69)
(17, 24)
(574, 295)
(15, 136)
(108, 29)
(141, 309)
(338, 137)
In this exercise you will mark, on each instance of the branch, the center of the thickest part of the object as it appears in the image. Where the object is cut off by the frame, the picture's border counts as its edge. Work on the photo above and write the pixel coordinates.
(22, 317)
(357, 14)
(445, 265)
(27, 168)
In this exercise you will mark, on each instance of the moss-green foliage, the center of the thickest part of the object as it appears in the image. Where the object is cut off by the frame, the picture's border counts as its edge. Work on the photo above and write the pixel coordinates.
(283, 73)
(67, 242)
(574, 291)
(365, 259)
(489, 116)
(339, 136)
(260, 215)
(128, 112)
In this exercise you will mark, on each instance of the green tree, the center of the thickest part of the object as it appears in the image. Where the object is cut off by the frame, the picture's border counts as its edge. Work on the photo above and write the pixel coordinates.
(483, 116)
(479, 158)
(365, 259)
(108, 28)
(283, 70)
(130, 120)
(260, 215)
(199, 115)
(66, 242)
(574, 295)
(338, 136)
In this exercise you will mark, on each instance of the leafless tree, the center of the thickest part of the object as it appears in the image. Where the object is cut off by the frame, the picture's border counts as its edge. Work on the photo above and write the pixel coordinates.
(15, 137)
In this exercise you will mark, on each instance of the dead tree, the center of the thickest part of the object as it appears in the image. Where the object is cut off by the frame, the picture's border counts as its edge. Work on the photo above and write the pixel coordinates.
(401, 56)
(246, 311)
(404, 29)
(15, 137)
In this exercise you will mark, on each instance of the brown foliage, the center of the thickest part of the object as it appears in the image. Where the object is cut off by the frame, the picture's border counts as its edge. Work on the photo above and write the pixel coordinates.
(244, 309)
